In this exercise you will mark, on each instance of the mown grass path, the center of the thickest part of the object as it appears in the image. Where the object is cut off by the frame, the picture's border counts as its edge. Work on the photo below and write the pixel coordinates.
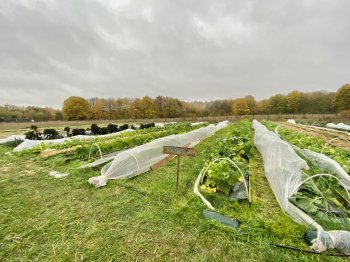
(141, 219)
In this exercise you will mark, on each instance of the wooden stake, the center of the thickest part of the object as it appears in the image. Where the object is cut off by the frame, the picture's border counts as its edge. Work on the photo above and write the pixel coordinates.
(178, 171)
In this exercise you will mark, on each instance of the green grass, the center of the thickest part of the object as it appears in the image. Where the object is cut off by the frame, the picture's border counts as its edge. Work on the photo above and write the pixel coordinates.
(141, 219)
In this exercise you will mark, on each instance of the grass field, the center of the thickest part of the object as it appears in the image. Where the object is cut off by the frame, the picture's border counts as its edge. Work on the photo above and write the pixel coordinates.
(141, 219)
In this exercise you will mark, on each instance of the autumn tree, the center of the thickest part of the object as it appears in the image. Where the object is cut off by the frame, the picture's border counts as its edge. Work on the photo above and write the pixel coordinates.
(342, 98)
(262, 106)
(109, 107)
(143, 108)
(172, 107)
(293, 101)
(251, 103)
(159, 104)
(122, 108)
(58, 115)
(240, 107)
(195, 108)
(147, 107)
(136, 108)
(277, 104)
(97, 108)
(320, 102)
(76, 108)
(219, 107)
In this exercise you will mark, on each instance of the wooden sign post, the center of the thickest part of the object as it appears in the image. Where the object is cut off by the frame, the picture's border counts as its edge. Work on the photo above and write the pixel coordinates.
(179, 151)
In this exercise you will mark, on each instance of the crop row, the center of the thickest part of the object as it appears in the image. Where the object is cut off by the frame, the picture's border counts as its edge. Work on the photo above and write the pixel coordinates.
(320, 196)
(315, 144)
(121, 141)
(222, 175)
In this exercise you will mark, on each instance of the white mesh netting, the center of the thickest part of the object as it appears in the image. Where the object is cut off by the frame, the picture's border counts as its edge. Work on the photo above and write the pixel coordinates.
(29, 144)
(291, 121)
(283, 169)
(12, 138)
(340, 126)
(138, 160)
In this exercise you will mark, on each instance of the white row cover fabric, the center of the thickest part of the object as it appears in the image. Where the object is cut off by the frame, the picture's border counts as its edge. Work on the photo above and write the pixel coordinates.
(291, 121)
(29, 144)
(324, 162)
(12, 138)
(164, 124)
(283, 169)
(328, 129)
(340, 126)
(56, 174)
(198, 123)
(159, 124)
(138, 160)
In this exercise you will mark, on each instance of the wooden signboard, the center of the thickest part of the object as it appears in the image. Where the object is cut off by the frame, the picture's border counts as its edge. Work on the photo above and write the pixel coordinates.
(178, 151)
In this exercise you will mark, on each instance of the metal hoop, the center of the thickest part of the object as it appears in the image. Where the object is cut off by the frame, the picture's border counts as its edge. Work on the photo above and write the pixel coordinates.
(333, 139)
(95, 144)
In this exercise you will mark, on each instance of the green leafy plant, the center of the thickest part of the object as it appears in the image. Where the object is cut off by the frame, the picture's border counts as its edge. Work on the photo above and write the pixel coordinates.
(50, 133)
(236, 146)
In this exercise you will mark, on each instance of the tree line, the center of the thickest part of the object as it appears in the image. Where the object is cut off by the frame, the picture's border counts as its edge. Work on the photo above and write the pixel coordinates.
(78, 108)
(11, 113)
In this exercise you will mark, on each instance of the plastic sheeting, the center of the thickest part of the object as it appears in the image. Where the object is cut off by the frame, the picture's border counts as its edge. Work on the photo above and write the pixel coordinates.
(12, 138)
(282, 165)
(138, 160)
(329, 129)
(325, 163)
(29, 144)
(56, 174)
(159, 124)
(340, 126)
(283, 170)
(198, 123)
(291, 121)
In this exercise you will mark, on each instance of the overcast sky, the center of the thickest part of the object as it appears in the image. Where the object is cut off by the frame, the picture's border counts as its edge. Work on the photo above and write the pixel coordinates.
(190, 49)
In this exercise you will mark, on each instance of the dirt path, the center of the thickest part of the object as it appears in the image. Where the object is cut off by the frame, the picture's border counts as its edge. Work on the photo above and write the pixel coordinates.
(343, 140)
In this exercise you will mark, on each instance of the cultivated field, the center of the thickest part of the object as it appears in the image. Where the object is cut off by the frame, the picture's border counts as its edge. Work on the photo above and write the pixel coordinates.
(43, 218)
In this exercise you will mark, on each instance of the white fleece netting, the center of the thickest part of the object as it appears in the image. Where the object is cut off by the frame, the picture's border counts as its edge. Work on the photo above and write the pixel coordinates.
(12, 138)
(329, 129)
(29, 144)
(325, 162)
(283, 170)
(291, 121)
(138, 160)
(340, 126)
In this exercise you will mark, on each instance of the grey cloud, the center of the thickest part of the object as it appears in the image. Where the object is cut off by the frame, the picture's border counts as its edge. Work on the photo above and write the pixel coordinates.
(191, 49)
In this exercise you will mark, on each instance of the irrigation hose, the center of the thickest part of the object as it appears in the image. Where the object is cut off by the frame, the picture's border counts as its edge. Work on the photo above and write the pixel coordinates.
(308, 251)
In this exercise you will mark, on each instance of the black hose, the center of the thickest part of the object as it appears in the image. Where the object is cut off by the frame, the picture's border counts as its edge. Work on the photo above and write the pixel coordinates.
(308, 251)
(134, 190)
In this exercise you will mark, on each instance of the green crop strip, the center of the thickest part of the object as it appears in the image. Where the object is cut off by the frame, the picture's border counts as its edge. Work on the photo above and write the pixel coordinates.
(115, 143)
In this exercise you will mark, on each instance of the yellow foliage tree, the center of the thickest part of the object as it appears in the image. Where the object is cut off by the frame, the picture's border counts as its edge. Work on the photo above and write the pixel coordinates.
(76, 108)
(240, 107)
